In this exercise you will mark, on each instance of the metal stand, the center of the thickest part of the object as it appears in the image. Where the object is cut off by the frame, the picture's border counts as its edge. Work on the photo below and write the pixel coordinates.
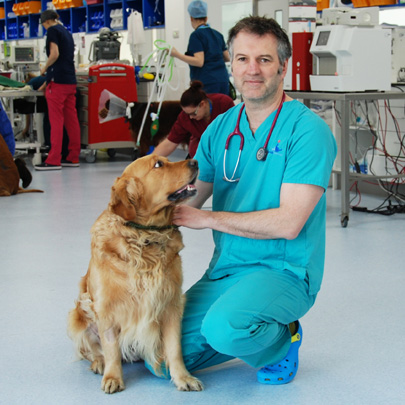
(343, 101)
(10, 95)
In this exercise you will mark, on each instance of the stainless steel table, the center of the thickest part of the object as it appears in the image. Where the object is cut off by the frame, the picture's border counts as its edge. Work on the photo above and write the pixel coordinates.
(9, 96)
(343, 101)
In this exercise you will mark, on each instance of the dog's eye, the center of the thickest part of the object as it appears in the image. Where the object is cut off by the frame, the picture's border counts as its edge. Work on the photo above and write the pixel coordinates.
(158, 164)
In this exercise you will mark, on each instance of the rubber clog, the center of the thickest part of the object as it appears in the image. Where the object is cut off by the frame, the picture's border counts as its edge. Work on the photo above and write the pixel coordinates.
(285, 371)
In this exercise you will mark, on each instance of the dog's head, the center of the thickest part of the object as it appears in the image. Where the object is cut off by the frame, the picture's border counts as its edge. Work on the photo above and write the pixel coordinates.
(150, 187)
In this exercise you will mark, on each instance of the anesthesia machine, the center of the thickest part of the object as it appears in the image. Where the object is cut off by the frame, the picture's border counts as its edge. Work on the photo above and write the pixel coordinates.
(351, 52)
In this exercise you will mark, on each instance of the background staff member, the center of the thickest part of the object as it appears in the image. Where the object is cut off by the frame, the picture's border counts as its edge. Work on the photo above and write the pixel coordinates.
(60, 93)
(7, 133)
(206, 52)
(268, 223)
(199, 110)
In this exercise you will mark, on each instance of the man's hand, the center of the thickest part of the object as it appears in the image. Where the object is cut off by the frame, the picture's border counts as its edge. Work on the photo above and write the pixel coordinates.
(190, 217)
(297, 202)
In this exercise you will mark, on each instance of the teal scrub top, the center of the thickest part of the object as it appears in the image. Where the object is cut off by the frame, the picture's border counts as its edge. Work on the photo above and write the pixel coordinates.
(302, 150)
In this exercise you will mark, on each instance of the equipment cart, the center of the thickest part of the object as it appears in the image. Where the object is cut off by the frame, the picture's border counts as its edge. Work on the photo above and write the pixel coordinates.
(105, 90)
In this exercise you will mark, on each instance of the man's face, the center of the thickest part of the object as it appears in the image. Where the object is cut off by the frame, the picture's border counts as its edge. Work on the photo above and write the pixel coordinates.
(256, 66)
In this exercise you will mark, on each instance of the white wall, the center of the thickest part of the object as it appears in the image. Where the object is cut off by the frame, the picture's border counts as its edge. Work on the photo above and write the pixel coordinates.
(269, 7)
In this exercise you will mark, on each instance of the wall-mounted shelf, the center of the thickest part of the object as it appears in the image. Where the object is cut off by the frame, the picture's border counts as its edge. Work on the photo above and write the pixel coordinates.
(88, 18)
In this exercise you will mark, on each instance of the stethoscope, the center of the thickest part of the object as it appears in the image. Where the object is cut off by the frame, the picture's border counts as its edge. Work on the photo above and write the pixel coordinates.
(262, 152)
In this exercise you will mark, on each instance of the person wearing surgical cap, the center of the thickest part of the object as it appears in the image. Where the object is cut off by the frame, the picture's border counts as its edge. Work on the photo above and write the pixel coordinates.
(206, 52)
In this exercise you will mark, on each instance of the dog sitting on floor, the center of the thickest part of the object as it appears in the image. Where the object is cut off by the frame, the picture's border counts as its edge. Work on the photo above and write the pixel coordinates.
(130, 303)
(11, 171)
(167, 117)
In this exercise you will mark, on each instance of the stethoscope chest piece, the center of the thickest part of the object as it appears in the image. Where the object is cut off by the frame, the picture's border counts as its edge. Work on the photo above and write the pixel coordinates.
(261, 154)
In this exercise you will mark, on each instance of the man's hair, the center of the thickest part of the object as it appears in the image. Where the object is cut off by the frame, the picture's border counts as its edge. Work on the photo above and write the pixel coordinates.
(262, 26)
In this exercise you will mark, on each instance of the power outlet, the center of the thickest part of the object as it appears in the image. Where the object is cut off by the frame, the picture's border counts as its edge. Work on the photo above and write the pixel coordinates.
(176, 33)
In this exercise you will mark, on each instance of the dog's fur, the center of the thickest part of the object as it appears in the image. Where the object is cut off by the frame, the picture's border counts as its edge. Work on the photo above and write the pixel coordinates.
(9, 173)
(167, 117)
(130, 303)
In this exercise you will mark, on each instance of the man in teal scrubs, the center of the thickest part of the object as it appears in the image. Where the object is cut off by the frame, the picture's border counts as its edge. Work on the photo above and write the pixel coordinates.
(268, 225)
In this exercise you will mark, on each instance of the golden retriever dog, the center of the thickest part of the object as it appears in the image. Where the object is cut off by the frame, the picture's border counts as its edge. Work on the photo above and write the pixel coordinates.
(130, 302)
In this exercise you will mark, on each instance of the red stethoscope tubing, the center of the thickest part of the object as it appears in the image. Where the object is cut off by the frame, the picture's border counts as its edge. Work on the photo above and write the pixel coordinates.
(274, 121)
(236, 131)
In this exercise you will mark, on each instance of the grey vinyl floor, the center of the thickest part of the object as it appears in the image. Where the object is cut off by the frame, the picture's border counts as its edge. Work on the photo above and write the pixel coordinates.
(353, 350)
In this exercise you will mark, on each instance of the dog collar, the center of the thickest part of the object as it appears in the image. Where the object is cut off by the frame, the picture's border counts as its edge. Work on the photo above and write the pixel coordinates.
(150, 227)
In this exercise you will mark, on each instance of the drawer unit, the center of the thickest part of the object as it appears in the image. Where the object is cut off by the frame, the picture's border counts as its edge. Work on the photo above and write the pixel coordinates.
(101, 89)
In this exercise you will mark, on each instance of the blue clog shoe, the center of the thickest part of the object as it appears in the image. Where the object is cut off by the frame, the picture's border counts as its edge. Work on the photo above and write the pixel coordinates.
(285, 371)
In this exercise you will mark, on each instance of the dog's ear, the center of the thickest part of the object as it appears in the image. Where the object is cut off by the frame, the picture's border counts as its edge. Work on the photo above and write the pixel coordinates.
(125, 195)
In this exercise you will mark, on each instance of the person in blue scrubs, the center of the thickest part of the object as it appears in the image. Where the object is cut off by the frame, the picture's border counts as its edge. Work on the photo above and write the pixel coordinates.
(6, 131)
(206, 53)
(268, 215)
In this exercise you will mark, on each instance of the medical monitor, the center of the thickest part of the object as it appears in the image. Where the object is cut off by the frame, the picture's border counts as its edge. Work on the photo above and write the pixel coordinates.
(22, 55)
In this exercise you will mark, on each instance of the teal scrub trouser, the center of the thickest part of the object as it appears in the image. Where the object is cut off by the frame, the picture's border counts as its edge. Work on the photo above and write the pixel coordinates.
(245, 316)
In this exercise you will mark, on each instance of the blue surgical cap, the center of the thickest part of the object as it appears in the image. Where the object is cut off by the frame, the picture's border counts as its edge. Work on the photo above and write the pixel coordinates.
(197, 9)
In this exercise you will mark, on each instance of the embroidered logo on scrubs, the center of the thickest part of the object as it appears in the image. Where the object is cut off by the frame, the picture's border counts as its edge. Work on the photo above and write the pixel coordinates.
(276, 150)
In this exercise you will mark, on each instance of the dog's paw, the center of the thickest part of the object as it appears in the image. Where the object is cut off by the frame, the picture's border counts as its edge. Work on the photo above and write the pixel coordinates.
(188, 383)
(112, 384)
(97, 366)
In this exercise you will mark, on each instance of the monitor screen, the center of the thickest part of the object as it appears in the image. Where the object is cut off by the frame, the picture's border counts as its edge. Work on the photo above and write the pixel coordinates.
(323, 38)
(24, 54)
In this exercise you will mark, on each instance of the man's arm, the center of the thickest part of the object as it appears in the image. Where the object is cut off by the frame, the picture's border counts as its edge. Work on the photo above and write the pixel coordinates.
(297, 201)
(204, 191)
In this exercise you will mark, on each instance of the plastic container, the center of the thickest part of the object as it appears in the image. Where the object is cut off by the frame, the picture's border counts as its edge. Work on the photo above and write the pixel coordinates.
(322, 4)
(32, 7)
(60, 4)
(74, 3)
(15, 9)
(40, 30)
(26, 30)
(382, 2)
(21, 9)
(2, 13)
(361, 3)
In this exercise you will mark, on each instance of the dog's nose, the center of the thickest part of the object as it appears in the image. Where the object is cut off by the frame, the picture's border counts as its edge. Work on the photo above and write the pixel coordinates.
(192, 163)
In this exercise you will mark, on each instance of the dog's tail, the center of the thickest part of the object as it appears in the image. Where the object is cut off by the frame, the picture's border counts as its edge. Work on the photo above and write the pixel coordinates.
(32, 190)
(82, 329)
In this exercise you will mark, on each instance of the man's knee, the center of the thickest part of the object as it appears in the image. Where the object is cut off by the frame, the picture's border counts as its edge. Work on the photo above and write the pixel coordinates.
(234, 335)
(217, 330)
